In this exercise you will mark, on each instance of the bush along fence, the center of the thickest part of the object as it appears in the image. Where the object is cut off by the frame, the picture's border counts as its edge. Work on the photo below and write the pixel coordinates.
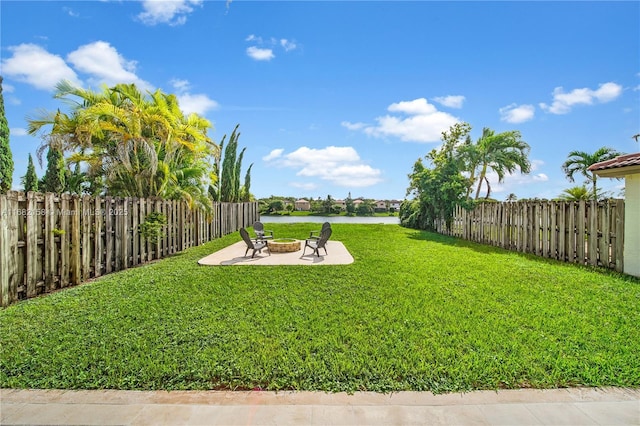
(584, 232)
(50, 241)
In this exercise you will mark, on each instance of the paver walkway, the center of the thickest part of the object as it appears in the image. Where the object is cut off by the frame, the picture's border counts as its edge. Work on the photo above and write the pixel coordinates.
(577, 406)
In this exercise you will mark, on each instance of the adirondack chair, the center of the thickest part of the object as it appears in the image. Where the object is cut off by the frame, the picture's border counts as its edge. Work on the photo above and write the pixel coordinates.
(256, 246)
(320, 243)
(261, 233)
(315, 235)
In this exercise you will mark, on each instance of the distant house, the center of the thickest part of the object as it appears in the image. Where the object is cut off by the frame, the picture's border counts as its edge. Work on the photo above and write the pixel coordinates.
(628, 167)
(381, 205)
(302, 205)
(357, 202)
(395, 204)
(341, 203)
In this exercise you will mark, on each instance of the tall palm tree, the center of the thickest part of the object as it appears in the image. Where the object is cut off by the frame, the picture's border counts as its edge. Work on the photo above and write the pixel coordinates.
(503, 153)
(580, 161)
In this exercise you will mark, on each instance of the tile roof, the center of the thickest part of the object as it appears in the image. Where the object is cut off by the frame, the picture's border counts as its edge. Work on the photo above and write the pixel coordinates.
(620, 161)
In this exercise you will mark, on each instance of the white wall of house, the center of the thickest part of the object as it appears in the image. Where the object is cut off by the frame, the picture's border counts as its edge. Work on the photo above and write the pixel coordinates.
(632, 225)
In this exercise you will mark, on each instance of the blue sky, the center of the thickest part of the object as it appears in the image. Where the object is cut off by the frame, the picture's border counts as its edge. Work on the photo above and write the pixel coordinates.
(338, 97)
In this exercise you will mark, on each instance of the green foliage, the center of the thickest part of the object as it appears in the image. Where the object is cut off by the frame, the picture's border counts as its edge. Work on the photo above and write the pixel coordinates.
(6, 158)
(349, 206)
(503, 153)
(75, 181)
(580, 161)
(30, 179)
(437, 190)
(365, 208)
(455, 168)
(415, 311)
(246, 188)
(327, 204)
(227, 181)
(54, 179)
(151, 228)
(131, 143)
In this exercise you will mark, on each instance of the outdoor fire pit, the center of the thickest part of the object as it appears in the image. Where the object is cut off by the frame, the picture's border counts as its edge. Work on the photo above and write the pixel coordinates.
(283, 245)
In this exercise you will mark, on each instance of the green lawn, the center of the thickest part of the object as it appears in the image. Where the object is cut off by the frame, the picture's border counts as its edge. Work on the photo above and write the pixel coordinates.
(415, 311)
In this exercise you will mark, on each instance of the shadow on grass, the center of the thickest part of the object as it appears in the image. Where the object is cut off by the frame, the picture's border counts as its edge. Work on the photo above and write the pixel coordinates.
(493, 250)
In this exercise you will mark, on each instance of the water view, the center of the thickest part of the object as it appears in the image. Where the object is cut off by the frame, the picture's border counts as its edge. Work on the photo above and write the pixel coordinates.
(387, 220)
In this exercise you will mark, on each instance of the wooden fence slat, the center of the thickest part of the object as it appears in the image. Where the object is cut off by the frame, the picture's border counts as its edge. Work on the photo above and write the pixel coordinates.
(134, 214)
(75, 260)
(86, 221)
(98, 253)
(604, 216)
(108, 235)
(125, 217)
(5, 250)
(592, 242)
(65, 229)
(32, 244)
(50, 249)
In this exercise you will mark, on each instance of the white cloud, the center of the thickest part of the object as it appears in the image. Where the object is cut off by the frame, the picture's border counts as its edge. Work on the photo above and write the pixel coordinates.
(71, 12)
(198, 104)
(7, 88)
(450, 101)
(422, 122)
(288, 44)
(563, 102)
(192, 103)
(517, 113)
(18, 131)
(252, 37)
(105, 64)
(33, 65)
(260, 54)
(276, 153)
(172, 12)
(341, 166)
(353, 126)
(263, 48)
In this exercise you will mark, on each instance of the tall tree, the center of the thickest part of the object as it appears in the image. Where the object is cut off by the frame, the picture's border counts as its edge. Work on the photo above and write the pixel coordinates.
(503, 153)
(136, 144)
(227, 179)
(6, 158)
(580, 161)
(437, 189)
(30, 179)
(54, 179)
(246, 188)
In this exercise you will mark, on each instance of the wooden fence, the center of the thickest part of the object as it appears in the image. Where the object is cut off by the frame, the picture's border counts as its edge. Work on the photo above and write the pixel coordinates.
(50, 241)
(589, 233)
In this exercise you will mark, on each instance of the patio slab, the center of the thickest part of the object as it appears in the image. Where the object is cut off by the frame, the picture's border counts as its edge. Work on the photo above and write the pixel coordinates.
(337, 254)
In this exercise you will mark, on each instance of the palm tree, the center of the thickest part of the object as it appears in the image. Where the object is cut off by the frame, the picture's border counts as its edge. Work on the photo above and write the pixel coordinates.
(580, 161)
(576, 193)
(503, 153)
(512, 197)
(141, 145)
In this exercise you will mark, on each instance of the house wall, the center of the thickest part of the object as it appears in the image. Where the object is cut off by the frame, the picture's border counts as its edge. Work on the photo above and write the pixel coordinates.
(632, 225)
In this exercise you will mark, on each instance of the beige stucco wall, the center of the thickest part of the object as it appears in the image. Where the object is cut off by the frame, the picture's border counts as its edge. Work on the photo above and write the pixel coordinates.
(632, 225)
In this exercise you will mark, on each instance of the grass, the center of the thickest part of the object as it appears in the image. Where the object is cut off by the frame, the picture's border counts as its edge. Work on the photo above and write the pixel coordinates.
(415, 311)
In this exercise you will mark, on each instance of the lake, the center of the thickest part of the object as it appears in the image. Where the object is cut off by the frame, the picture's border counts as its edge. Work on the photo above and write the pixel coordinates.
(387, 220)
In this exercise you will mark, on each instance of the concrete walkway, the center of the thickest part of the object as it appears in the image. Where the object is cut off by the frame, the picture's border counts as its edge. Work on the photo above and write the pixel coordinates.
(578, 406)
